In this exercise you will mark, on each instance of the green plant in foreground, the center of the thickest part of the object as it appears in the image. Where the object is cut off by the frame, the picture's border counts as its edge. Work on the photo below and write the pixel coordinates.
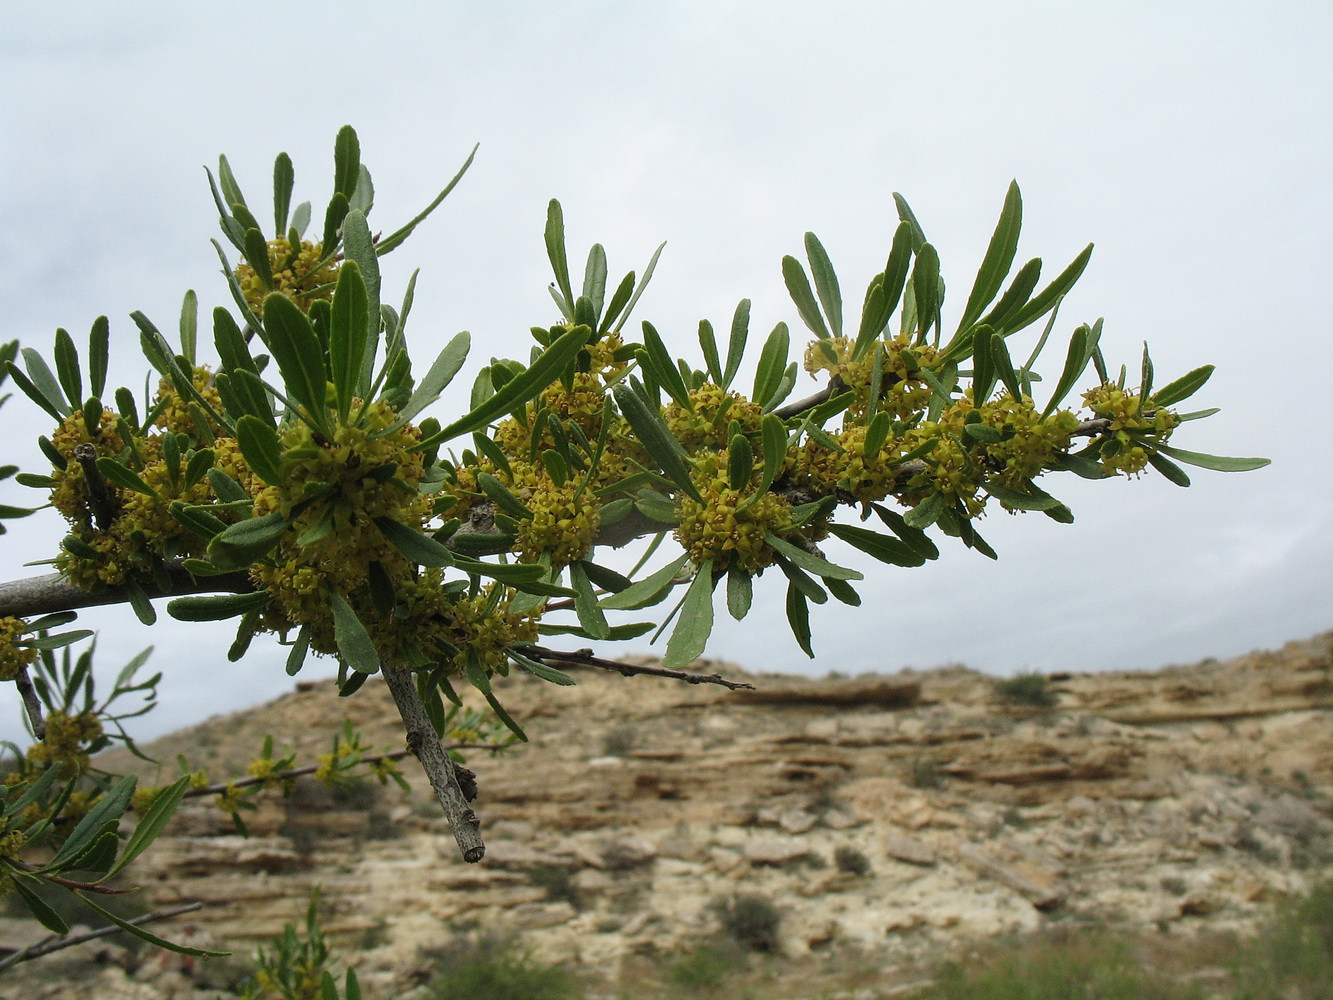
(1293, 956)
(750, 921)
(298, 965)
(1028, 690)
(289, 478)
(494, 970)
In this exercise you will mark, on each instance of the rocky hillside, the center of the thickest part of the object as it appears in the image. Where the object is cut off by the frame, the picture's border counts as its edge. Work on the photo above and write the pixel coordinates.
(883, 816)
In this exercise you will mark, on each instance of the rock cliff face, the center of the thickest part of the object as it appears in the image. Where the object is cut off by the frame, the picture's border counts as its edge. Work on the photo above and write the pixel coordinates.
(892, 814)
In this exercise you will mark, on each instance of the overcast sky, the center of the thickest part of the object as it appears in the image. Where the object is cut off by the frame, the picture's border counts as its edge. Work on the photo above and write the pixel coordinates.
(1191, 142)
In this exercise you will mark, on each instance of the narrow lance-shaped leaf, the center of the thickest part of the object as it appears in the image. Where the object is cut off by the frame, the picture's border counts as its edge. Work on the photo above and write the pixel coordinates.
(695, 624)
(346, 161)
(638, 290)
(46, 383)
(594, 278)
(284, 179)
(647, 591)
(517, 390)
(146, 935)
(355, 646)
(652, 432)
(555, 252)
(1052, 293)
(1182, 388)
(658, 360)
(826, 282)
(708, 344)
(359, 247)
(740, 592)
(1217, 463)
(772, 365)
(348, 333)
(396, 239)
(740, 330)
(241, 544)
(258, 441)
(999, 258)
(1075, 362)
(300, 358)
(99, 346)
(798, 287)
(215, 607)
(591, 617)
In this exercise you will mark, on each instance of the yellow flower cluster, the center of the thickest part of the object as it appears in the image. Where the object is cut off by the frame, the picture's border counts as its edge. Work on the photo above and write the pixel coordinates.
(296, 274)
(714, 410)
(903, 392)
(1131, 424)
(13, 658)
(718, 529)
(486, 627)
(868, 478)
(67, 740)
(70, 494)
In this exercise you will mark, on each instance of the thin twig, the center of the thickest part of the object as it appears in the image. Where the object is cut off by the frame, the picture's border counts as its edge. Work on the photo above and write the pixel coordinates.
(68, 883)
(31, 703)
(101, 498)
(586, 657)
(58, 942)
(297, 772)
(439, 767)
(809, 403)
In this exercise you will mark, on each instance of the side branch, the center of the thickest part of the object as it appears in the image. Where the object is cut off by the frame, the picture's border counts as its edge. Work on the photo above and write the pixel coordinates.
(586, 657)
(57, 942)
(439, 767)
(43, 595)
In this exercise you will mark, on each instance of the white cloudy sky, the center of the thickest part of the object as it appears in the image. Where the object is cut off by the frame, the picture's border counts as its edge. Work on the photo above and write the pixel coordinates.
(1190, 141)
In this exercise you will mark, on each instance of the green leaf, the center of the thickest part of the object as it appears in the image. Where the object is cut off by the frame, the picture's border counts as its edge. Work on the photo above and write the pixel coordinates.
(926, 287)
(123, 477)
(555, 251)
(99, 340)
(56, 641)
(798, 617)
(346, 161)
(638, 291)
(284, 179)
(772, 364)
(502, 498)
(1169, 469)
(521, 576)
(809, 561)
(396, 239)
(299, 355)
(420, 548)
(296, 658)
(348, 334)
(844, 592)
(355, 647)
(139, 602)
(47, 386)
(109, 808)
(476, 675)
(740, 592)
(740, 462)
(594, 278)
(590, 613)
(67, 366)
(877, 546)
(652, 432)
(1182, 388)
(658, 361)
(339, 206)
(359, 249)
(1217, 463)
(618, 300)
(740, 330)
(690, 635)
(216, 607)
(145, 935)
(1016, 296)
(999, 258)
(519, 389)
(1075, 362)
(798, 287)
(708, 344)
(648, 591)
(1004, 367)
(152, 824)
(29, 389)
(40, 909)
(239, 545)
(1035, 500)
(228, 490)
(826, 282)
(1046, 299)
(198, 465)
(197, 519)
(540, 669)
(441, 373)
(258, 441)
(924, 514)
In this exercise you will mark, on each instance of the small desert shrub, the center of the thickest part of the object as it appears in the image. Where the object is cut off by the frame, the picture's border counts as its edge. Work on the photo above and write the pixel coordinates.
(496, 970)
(926, 774)
(297, 964)
(1087, 966)
(751, 921)
(619, 742)
(1030, 690)
(702, 970)
(850, 861)
(1292, 957)
(557, 881)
